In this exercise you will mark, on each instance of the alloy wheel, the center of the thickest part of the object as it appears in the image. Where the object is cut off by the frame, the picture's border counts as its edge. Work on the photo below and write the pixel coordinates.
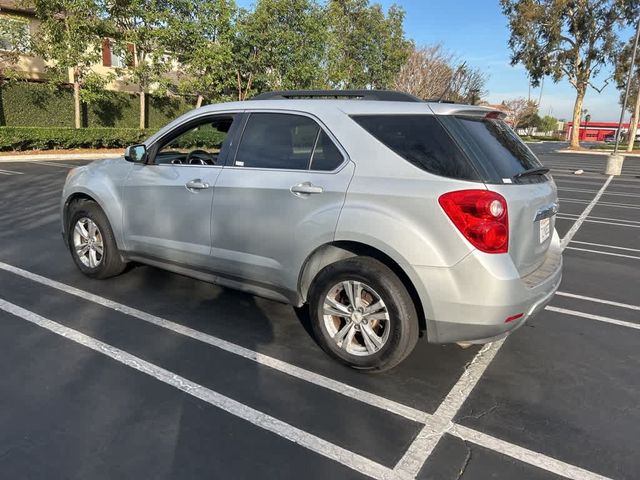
(88, 242)
(356, 318)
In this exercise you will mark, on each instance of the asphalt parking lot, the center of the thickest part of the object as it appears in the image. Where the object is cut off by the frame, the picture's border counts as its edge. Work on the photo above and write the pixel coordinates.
(154, 375)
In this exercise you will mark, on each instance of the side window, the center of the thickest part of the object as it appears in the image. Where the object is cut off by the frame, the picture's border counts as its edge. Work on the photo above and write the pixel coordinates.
(277, 140)
(422, 141)
(201, 144)
(15, 34)
(326, 156)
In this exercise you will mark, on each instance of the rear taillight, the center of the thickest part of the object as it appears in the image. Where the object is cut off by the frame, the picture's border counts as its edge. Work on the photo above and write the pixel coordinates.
(481, 216)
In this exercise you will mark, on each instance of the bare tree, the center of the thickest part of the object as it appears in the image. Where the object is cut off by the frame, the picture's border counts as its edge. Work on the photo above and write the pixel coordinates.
(519, 110)
(431, 72)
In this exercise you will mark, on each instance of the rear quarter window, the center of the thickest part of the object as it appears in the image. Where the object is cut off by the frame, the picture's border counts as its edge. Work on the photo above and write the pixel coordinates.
(497, 151)
(422, 141)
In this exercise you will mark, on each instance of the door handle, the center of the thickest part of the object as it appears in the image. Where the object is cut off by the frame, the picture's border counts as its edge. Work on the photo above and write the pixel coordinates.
(197, 184)
(305, 188)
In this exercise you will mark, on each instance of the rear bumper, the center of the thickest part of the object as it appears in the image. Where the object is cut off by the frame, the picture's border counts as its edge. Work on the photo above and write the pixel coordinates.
(472, 300)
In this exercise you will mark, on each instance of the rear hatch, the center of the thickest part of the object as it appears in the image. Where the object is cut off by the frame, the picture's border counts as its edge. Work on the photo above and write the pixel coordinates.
(508, 167)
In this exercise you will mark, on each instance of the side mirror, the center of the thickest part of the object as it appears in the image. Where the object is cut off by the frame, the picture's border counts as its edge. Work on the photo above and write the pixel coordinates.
(135, 153)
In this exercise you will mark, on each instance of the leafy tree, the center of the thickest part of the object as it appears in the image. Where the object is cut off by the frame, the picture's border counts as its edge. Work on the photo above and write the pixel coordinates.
(531, 122)
(431, 72)
(280, 45)
(204, 47)
(548, 124)
(69, 37)
(621, 76)
(366, 48)
(144, 32)
(560, 38)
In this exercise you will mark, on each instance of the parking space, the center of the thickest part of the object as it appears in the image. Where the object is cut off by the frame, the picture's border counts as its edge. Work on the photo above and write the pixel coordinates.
(151, 374)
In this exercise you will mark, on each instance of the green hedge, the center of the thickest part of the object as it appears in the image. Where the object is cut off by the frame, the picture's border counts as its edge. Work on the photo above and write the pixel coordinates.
(35, 105)
(33, 138)
(30, 104)
(205, 137)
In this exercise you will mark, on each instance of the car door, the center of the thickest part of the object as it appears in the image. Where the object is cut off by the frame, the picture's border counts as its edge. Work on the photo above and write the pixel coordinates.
(277, 199)
(168, 200)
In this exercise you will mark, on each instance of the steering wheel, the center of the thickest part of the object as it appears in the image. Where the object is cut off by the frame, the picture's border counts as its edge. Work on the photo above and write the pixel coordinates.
(195, 157)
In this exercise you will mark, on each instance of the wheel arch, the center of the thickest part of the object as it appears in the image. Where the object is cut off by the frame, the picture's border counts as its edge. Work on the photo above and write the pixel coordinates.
(84, 195)
(339, 250)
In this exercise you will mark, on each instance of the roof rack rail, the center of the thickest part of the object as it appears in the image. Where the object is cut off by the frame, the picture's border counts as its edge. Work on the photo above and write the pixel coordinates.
(380, 95)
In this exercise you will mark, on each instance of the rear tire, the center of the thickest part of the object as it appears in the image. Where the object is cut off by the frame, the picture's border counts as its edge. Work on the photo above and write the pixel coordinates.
(362, 314)
(91, 241)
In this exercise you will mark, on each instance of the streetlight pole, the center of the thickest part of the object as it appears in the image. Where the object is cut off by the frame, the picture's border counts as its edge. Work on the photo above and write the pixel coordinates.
(614, 162)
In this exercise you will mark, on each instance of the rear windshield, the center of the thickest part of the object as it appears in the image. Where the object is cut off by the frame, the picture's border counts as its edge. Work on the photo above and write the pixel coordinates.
(422, 141)
(495, 148)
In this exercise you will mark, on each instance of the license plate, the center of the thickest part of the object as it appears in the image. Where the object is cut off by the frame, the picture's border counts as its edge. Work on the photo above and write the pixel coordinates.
(545, 229)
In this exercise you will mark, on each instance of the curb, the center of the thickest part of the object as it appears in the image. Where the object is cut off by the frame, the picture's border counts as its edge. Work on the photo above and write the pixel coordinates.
(598, 152)
(54, 156)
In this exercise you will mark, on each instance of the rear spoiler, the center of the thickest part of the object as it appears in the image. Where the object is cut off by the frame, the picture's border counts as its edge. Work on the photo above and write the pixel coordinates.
(488, 114)
(466, 110)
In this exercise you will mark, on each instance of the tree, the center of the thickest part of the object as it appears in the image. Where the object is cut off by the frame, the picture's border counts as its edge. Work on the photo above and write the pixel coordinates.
(204, 47)
(432, 73)
(531, 122)
(572, 39)
(519, 111)
(70, 37)
(467, 85)
(270, 49)
(144, 32)
(366, 48)
(280, 45)
(621, 76)
(548, 124)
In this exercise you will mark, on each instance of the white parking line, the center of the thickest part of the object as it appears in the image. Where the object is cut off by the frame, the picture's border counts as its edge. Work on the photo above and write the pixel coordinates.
(311, 442)
(435, 425)
(622, 220)
(587, 182)
(421, 448)
(590, 316)
(588, 220)
(524, 455)
(590, 167)
(54, 164)
(574, 228)
(583, 190)
(603, 253)
(602, 204)
(10, 172)
(284, 367)
(606, 246)
(598, 300)
(585, 176)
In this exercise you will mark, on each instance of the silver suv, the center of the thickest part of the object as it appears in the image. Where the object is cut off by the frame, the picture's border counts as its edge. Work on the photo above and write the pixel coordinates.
(388, 216)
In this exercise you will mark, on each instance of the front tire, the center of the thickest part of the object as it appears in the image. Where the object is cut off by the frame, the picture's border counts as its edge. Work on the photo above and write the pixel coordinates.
(362, 314)
(91, 241)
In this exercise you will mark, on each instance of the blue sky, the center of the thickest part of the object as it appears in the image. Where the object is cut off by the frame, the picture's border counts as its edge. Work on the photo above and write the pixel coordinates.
(477, 32)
